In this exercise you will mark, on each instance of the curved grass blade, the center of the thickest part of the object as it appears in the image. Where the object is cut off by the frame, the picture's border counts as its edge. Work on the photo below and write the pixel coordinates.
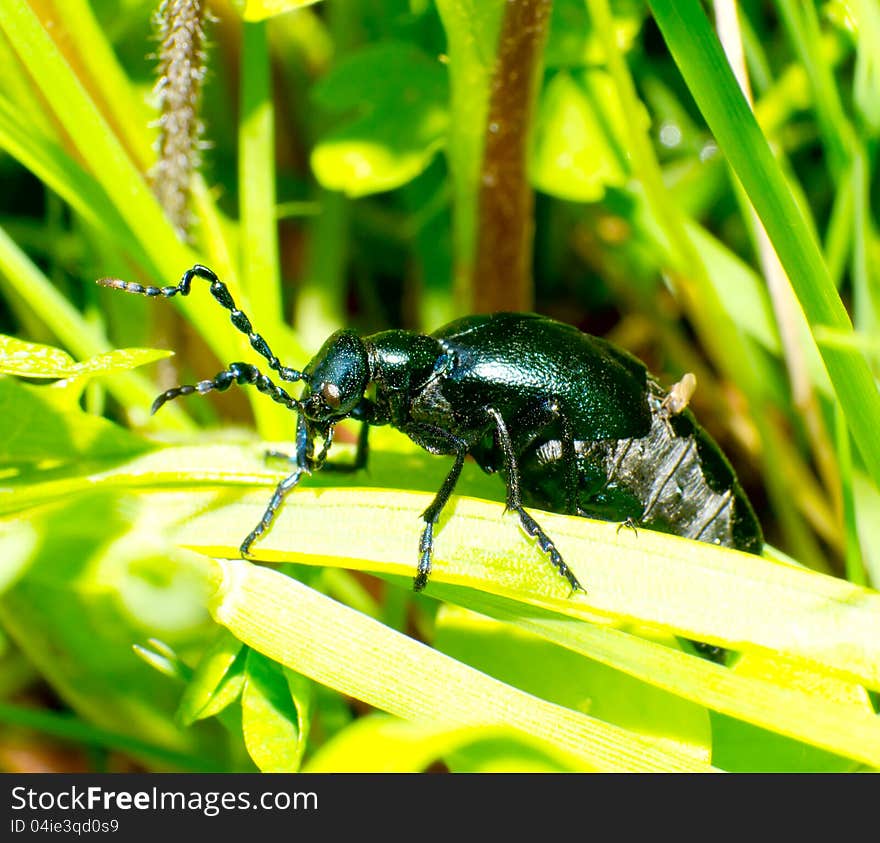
(698, 54)
(299, 627)
(706, 593)
(736, 600)
(847, 730)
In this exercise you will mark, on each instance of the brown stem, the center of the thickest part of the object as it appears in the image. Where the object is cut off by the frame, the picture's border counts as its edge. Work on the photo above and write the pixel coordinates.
(503, 278)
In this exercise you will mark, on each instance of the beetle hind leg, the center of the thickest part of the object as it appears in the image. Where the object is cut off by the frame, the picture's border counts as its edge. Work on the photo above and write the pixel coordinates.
(533, 529)
(514, 503)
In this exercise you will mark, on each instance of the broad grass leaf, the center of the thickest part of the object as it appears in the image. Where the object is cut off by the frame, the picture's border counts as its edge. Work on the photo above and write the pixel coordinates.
(299, 627)
(562, 676)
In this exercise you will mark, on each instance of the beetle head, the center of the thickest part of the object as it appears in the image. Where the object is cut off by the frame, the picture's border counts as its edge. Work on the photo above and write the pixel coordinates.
(335, 378)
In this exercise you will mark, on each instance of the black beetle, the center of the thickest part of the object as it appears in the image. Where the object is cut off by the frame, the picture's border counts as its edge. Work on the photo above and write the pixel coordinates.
(573, 423)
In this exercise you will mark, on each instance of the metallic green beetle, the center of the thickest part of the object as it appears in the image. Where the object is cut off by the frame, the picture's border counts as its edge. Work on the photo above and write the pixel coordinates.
(571, 422)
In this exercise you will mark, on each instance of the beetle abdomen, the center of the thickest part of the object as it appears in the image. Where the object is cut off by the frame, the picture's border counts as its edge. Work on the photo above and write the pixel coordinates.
(674, 479)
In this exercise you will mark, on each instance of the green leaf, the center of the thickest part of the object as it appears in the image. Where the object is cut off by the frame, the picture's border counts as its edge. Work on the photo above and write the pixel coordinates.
(217, 680)
(274, 734)
(577, 151)
(32, 360)
(298, 627)
(43, 423)
(396, 99)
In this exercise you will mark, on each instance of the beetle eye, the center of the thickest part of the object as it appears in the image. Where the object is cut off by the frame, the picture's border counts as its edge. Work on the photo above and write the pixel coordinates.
(331, 395)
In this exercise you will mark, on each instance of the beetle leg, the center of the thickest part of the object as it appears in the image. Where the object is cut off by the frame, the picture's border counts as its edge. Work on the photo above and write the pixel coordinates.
(430, 516)
(360, 455)
(240, 373)
(629, 523)
(221, 294)
(538, 420)
(570, 465)
(514, 502)
(284, 487)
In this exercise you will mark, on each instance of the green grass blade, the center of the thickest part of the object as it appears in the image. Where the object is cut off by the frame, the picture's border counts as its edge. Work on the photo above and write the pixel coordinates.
(260, 268)
(256, 142)
(698, 54)
(93, 138)
(73, 729)
(842, 729)
(379, 743)
(706, 593)
(299, 627)
(49, 162)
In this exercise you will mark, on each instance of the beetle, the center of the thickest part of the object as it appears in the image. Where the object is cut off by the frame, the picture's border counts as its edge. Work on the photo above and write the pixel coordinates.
(572, 423)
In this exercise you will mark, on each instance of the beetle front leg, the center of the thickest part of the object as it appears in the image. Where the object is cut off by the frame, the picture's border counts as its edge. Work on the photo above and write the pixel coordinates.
(367, 414)
(430, 516)
(287, 485)
(514, 502)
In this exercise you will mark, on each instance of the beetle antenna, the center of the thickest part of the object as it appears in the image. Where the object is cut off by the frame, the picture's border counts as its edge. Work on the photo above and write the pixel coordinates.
(243, 374)
(222, 295)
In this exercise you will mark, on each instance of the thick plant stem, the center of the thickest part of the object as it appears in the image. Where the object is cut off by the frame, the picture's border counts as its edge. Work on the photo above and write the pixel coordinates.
(503, 277)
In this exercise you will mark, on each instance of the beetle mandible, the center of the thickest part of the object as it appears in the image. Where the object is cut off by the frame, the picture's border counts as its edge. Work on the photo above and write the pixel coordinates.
(572, 423)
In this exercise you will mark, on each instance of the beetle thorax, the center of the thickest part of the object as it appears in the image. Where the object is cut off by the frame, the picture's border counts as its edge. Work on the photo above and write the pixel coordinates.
(401, 361)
